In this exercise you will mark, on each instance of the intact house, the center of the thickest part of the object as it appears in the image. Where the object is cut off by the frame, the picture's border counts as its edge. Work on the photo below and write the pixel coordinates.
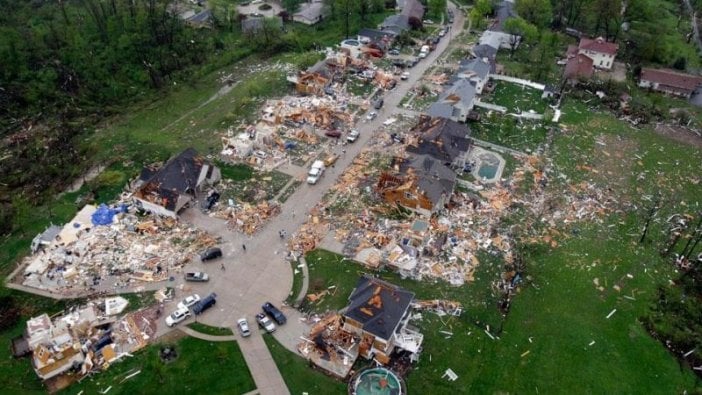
(410, 16)
(379, 312)
(496, 36)
(579, 67)
(455, 102)
(166, 191)
(311, 12)
(670, 82)
(424, 181)
(599, 50)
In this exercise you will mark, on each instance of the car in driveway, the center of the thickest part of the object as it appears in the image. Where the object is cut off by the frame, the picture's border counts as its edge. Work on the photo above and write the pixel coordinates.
(265, 322)
(371, 116)
(243, 326)
(276, 314)
(405, 75)
(177, 316)
(209, 301)
(189, 301)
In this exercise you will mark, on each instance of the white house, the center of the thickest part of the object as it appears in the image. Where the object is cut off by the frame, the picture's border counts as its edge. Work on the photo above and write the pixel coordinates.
(311, 13)
(600, 51)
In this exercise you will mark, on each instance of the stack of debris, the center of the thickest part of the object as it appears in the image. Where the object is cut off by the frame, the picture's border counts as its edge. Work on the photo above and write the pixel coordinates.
(249, 218)
(87, 256)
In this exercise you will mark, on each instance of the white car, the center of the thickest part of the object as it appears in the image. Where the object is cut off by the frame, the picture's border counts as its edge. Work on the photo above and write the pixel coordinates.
(243, 327)
(353, 135)
(371, 116)
(189, 301)
(405, 75)
(265, 322)
(177, 316)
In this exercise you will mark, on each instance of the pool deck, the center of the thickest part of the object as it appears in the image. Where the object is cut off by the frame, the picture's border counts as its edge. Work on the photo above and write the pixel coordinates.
(477, 155)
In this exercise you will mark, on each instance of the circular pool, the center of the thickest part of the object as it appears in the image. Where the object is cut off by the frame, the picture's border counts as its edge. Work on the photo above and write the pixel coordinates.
(376, 381)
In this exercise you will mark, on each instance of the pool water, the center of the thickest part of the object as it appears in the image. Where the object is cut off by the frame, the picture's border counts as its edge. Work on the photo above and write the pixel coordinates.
(487, 171)
(377, 381)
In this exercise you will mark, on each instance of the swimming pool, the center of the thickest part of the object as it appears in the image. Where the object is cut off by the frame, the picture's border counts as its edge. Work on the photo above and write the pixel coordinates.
(377, 381)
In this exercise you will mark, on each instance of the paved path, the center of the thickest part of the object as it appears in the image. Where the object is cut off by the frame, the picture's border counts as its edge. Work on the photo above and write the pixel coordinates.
(203, 336)
(262, 366)
(305, 281)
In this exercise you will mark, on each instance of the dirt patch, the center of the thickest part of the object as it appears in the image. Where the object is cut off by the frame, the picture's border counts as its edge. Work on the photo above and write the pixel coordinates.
(680, 134)
(171, 337)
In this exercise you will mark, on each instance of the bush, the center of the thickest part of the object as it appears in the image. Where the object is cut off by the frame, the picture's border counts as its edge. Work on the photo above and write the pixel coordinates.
(265, 7)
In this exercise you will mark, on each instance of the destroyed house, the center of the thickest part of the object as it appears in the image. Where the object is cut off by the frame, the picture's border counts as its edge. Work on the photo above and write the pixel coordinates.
(421, 184)
(166, 191)
(379, 312)
(443, 139)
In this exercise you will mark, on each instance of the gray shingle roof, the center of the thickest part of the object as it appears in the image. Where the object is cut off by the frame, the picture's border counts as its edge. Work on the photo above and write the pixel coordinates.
(378, 305)
(434, 178)
(177, 177)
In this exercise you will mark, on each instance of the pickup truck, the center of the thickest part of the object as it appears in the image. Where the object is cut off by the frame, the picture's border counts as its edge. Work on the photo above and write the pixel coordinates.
(197, 276)
(352, 136)
(315, 172)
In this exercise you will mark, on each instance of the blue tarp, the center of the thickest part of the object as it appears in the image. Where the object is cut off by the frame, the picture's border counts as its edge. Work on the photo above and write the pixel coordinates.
(103, 215)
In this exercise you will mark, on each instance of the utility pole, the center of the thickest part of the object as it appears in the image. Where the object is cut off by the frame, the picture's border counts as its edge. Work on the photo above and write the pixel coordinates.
(651, 213)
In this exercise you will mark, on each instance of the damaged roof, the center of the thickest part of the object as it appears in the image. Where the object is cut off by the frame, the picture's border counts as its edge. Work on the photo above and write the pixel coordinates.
(378, 305)
(178, 176)
(441, 138)
(458, 95)
(434, 179)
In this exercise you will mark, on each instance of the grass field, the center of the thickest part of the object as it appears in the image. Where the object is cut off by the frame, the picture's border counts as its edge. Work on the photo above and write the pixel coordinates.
(516, 98)
(210, 330)
(299, 377)
(201, 367)
(507, 131)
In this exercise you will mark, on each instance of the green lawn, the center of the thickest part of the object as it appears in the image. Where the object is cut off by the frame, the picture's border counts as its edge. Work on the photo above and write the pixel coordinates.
(516, 97)
(508, 131)
(299, 377)
(210, 330)
(201, 367)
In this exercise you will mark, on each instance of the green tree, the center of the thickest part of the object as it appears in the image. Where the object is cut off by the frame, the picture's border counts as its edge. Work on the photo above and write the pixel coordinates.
(436, 8)
(520, 31)
(477, 14)
(537, 12)
(291, 6)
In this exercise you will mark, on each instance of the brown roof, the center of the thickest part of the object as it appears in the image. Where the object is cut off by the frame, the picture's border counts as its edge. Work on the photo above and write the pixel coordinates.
(578, 67)
(672, 79)
(599, 45)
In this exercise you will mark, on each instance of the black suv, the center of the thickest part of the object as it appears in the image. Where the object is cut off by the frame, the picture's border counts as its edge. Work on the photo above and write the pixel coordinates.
(210, 254)
(204, 304)
(277, 315)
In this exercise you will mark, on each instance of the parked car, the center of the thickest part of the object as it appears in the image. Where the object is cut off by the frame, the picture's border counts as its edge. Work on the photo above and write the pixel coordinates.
(442, 32)
(371, 116)
(333, 133)
(405, 75)
(243, 327)
(378, 104)
(189, 301)
(177, 316)
(265, 322)
(394, 52)
(209, 301)
(276, 314)
(426, 21)
(210, 254)
(353, 135)
(197, 277)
